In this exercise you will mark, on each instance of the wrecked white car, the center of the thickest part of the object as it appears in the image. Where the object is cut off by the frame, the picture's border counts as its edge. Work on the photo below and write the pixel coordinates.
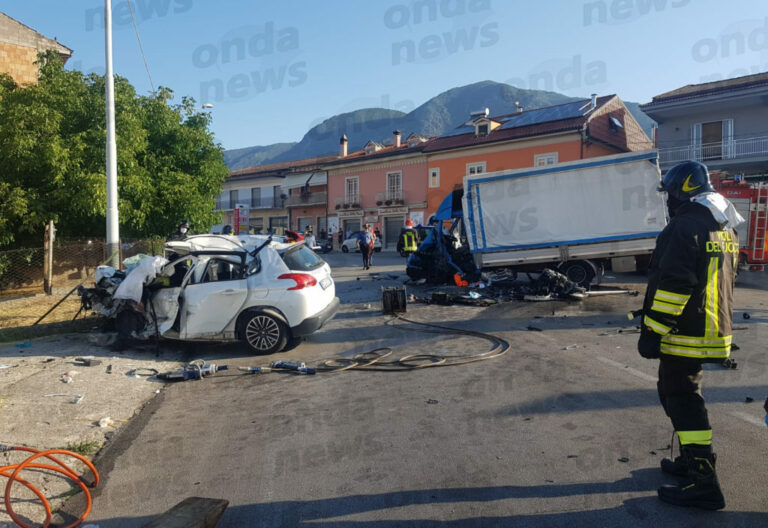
(219, 288)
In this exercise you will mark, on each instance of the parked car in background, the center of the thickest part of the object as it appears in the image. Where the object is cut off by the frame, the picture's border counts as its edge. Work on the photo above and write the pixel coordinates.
(350, 244)
(220, 288)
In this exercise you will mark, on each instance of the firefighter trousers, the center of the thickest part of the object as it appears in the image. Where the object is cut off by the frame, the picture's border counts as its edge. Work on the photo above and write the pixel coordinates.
(679, 388)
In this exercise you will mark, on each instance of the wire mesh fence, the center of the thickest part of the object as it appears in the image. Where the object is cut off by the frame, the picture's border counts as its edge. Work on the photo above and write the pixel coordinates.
(74, 261)
(21, 269)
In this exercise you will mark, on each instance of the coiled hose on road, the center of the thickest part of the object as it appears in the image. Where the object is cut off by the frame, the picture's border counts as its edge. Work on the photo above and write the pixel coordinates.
(12, 472)
(374, 359)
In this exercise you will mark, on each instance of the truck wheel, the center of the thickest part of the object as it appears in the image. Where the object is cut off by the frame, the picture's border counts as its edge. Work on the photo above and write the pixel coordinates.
(263, 332)
(579, 271)
(344, 249)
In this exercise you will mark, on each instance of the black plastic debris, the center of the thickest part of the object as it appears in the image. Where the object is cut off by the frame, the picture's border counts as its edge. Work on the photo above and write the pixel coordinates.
(393, 300)
(730, 364)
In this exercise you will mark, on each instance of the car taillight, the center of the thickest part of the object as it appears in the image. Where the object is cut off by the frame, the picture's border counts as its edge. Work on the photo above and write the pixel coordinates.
(303, 280)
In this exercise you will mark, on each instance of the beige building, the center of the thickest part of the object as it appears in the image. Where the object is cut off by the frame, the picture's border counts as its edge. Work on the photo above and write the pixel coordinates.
(259, 190)
(19, 46)
(276, 197)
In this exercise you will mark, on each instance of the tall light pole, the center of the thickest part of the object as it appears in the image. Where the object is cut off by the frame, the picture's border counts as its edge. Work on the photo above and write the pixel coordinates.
(113, 231)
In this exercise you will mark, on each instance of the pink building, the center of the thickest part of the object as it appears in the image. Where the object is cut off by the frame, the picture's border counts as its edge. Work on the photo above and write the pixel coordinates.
(379, 185)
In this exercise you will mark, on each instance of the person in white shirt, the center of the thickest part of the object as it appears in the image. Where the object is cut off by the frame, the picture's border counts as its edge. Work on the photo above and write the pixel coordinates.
(309, 238)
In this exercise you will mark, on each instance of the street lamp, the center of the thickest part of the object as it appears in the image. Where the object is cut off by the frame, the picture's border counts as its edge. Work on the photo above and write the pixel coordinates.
(113, 233)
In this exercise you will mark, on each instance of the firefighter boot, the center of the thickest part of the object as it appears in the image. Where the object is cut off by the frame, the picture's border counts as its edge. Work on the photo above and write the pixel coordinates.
(679, 466)
(701, 489)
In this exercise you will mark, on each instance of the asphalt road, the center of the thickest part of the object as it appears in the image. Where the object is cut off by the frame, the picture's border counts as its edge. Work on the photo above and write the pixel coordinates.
(563, 430)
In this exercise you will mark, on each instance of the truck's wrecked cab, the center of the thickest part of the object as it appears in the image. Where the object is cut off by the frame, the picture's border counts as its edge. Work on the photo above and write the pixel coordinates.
(220, 288)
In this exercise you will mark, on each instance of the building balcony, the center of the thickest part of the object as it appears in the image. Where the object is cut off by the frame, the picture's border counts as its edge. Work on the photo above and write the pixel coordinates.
(257, 203)
(350, 201)
(729, 151)
(390, 198)
(307, 199)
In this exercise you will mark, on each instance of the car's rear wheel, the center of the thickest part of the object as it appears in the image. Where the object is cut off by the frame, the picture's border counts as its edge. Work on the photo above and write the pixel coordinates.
(344, 249)
(263, 333)
(377, 250)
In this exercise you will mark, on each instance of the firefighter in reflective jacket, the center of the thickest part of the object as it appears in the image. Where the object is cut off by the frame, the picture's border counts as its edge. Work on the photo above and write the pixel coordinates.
(408, 242)
(687, 321)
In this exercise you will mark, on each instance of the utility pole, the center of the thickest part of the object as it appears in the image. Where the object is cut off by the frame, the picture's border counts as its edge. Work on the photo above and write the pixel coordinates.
(113, 230)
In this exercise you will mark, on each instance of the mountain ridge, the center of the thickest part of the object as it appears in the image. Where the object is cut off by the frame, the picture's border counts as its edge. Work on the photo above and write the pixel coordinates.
(435, 117)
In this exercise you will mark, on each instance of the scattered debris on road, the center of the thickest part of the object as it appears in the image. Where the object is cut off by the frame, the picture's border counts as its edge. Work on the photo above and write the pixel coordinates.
(87, 361)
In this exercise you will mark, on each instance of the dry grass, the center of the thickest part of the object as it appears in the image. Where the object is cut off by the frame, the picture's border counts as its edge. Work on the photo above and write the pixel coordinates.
(19, 312)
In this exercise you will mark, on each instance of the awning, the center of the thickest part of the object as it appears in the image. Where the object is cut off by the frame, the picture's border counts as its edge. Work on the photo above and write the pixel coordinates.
(299, 180)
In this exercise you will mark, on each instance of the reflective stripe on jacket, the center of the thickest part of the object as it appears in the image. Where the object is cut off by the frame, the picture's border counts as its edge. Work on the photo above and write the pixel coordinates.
(409, 241)
(689, 300)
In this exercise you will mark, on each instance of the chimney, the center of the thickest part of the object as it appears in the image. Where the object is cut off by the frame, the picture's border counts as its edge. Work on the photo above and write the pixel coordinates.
(594, 101)
(343, 150)
(396, 140)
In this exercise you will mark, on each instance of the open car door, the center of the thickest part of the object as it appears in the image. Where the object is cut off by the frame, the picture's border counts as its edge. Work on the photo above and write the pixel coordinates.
(213, 296)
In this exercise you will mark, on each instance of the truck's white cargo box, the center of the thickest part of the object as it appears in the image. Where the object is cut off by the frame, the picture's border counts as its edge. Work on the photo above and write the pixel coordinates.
(596, 208)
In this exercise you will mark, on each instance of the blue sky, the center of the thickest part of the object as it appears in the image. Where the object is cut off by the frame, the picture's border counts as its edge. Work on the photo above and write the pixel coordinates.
(274, 69)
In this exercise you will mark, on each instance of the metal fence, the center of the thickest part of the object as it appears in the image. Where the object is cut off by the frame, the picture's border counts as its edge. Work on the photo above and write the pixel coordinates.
(720, 150)
(22, 270)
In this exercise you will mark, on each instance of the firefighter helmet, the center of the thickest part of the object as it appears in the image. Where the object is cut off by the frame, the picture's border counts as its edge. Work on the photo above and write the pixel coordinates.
(686, 180)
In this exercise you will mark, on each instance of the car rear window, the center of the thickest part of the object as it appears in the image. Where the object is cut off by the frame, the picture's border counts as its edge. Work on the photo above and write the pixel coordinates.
(301, 258)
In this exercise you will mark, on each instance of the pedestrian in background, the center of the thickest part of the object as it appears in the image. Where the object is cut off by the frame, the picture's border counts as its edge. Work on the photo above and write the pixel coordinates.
(309, 238)
(182, 231)
(365, 242)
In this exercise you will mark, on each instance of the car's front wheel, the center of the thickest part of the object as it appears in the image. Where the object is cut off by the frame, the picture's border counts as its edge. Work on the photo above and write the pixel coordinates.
(263, 333)
(344, 249)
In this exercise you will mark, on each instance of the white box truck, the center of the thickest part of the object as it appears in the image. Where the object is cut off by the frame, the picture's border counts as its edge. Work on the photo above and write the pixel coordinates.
(576, 217)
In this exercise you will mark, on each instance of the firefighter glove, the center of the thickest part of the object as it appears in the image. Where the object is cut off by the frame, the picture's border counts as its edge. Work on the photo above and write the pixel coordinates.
(649, 344)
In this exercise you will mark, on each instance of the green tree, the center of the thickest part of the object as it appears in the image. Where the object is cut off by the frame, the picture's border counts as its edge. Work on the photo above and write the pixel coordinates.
(52, 158)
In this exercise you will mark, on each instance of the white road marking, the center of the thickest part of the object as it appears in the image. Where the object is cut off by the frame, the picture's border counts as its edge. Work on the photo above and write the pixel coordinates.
(642, 375)
(748, 418)
(625, 368)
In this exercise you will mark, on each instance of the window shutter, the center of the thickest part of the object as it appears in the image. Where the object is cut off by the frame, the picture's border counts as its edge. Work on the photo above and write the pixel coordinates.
(727, 138)
(696, 141)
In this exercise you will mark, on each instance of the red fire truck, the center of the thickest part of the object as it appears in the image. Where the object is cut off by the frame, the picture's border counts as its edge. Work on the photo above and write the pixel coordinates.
(750, 200)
